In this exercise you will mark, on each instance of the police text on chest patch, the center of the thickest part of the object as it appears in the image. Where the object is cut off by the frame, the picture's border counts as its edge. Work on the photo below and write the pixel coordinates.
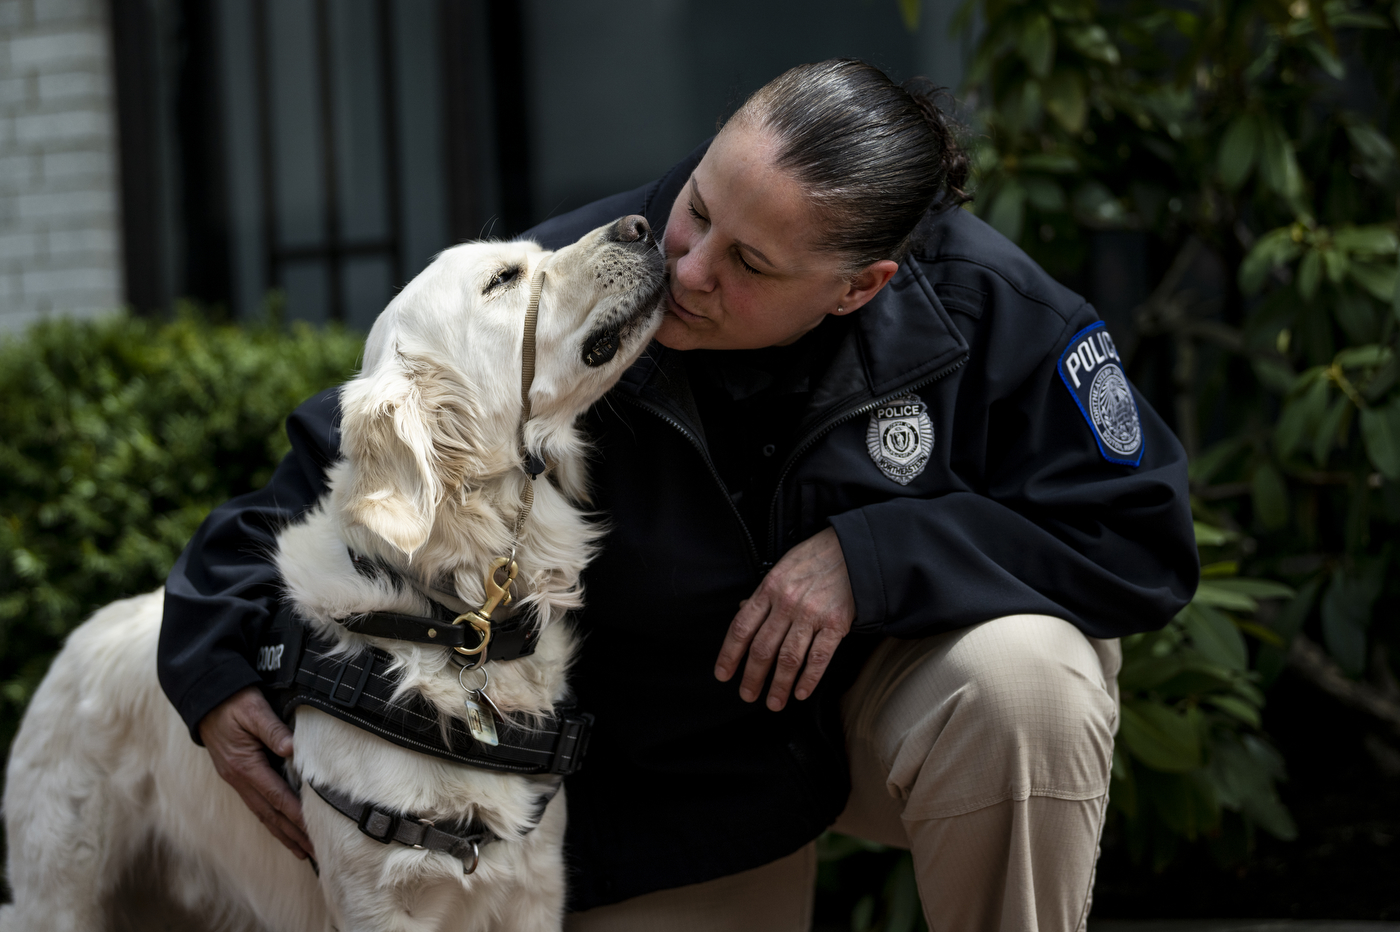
(1093, 373)
(900, 438)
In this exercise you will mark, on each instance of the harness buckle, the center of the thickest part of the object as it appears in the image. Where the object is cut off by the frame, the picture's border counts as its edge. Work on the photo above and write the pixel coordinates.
(424, 825)
(378, 824)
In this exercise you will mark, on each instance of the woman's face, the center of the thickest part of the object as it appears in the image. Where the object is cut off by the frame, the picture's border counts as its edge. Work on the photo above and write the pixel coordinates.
(743, 270)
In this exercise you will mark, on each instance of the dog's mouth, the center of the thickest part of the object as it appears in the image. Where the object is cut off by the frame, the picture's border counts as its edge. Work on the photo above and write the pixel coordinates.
(604, 341)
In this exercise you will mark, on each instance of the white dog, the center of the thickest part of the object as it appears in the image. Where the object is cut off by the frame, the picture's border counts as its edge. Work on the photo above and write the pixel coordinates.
(429, 494)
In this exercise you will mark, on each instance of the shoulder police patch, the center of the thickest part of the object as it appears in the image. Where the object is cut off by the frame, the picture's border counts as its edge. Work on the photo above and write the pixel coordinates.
(1093, 373)
(900, 438)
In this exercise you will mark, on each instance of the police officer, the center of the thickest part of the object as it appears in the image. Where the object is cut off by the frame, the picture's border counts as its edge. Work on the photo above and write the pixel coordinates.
(913, 463)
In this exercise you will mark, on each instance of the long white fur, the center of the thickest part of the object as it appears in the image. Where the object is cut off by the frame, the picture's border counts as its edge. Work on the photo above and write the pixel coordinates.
(103, 770)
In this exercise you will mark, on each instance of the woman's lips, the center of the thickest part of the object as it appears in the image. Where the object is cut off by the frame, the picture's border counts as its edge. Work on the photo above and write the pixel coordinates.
(675, 307)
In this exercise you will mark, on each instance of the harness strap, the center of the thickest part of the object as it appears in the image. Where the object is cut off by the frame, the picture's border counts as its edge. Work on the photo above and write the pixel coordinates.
(361, 689)
(511, 638)
(507, 642)
(461, 839)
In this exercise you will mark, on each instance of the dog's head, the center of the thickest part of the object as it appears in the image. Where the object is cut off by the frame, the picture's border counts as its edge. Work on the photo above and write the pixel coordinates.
(436, 407)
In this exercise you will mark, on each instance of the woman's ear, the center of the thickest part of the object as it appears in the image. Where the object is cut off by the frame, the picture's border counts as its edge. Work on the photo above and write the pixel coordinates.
(866, 284)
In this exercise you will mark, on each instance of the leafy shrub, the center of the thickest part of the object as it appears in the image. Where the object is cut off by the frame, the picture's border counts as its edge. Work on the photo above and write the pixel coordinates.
(1251, 149)
(116, 438)
(1190, 746)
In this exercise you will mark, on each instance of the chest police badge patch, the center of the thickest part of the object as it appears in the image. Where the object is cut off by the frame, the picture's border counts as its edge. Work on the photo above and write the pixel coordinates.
(900, 438)
(1093, 372)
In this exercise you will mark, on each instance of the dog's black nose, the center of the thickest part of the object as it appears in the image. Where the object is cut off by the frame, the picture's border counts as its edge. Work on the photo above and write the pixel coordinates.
(633, 229)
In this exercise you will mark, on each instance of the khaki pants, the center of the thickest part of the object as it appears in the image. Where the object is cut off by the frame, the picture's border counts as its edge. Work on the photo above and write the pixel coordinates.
(985, 751)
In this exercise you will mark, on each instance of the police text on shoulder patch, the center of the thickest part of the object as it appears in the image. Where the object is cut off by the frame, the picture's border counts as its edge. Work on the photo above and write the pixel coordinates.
(900, 438)
(1093, 373)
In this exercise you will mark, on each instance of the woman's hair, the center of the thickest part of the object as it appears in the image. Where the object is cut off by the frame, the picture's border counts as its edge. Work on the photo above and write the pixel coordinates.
(873, 155)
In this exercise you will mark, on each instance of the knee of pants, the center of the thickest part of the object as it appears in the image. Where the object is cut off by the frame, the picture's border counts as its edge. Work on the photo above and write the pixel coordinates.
(1008, 709)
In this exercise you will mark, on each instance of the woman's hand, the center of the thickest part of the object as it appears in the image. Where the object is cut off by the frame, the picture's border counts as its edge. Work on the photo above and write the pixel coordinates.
(235, 732)
(800, 612)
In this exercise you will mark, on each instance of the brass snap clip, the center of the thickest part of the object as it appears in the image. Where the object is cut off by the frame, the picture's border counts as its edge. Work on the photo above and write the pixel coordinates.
(496, 594)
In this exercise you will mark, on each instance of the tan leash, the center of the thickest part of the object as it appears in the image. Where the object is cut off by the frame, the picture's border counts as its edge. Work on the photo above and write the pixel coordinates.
(498, 593)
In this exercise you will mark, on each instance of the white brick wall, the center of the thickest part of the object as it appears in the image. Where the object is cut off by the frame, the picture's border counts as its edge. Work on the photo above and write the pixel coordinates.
(60, 246)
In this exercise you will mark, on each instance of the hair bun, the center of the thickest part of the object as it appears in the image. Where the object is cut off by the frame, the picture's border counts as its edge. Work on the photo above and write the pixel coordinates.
(926, 95)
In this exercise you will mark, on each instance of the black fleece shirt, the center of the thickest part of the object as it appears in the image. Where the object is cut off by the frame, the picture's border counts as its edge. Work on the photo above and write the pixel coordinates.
(971, 439)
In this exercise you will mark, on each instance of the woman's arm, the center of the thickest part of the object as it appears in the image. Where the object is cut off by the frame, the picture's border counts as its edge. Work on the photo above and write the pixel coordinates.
(219, 596)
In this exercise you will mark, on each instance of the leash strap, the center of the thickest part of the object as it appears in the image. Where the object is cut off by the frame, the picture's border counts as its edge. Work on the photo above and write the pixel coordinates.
(531, 463)
(462, 840)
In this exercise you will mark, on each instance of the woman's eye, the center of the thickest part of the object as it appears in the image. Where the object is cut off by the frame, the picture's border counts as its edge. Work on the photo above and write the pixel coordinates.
(696, 214)
(503, 277)
(747, 268)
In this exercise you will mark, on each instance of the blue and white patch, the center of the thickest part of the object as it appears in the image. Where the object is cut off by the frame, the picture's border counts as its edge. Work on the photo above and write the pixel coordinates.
(1093, 373)
(900, 438)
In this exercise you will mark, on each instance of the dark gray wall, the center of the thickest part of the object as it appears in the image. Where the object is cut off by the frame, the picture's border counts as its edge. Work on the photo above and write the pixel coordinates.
(621, 90)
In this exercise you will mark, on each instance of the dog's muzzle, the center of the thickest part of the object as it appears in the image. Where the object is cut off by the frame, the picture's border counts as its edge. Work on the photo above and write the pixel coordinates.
(600, 346)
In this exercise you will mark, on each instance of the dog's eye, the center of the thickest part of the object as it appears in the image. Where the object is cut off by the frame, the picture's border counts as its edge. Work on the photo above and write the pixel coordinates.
(503, 277)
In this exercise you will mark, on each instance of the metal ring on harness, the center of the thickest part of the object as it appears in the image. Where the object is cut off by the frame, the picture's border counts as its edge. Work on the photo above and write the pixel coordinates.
(485, 681)
(476, 859)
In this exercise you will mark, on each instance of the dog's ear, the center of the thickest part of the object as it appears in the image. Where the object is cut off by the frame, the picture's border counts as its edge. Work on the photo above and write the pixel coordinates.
(405, 428)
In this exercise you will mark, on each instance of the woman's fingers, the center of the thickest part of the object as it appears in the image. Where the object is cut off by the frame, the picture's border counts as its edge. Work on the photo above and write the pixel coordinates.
(791, 656)
(752, 612)
(234, 733)
(766, 646)
(818, 659)
(792, 624)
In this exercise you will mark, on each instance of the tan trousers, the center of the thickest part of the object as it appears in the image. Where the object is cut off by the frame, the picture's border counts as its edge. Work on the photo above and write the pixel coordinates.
(985, 751)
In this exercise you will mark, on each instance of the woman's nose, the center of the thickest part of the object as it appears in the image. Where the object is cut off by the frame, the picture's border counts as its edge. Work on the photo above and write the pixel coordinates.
(694, 269)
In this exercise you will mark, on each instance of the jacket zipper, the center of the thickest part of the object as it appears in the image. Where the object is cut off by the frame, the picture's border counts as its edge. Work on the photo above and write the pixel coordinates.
(704, 455)
(825, 429)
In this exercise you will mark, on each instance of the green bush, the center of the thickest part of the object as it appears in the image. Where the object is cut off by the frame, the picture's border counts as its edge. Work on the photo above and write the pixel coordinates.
(116, 438)
(1257, 138)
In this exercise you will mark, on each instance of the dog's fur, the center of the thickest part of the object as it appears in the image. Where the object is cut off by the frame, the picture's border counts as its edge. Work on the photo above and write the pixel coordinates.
(103, 771)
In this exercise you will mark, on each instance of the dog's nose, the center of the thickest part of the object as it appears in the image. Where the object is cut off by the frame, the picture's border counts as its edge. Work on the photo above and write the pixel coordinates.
(633, 229)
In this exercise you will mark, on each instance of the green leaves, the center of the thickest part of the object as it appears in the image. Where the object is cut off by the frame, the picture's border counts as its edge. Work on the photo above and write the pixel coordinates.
(1008, 210)
(1380, 428)
(1257, 140)
(1278, 164)
(1065, 100)
(1220, 127)
(1238, 150)
(1346, 612)
(1162, 738)
(1092, 41)
(1036, 43)
(1273, 249)
(1270, 496)
(116, 438)
(1214, 634)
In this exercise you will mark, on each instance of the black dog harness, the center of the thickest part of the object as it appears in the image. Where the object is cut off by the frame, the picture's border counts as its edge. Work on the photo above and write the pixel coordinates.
(359, 688)
(301, 669)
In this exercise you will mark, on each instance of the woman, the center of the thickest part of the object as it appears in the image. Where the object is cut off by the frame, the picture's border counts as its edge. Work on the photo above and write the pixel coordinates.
(907, 456)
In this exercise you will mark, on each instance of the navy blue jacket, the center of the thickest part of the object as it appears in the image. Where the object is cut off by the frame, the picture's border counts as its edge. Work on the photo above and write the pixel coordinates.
(1028, 502)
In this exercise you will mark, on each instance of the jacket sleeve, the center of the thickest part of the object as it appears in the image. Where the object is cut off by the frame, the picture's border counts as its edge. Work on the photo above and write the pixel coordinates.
(1052, 527)
(219, 596)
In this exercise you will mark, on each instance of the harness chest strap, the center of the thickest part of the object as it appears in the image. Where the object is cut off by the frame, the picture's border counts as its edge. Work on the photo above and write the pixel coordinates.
(360, 689)
(461, 840)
